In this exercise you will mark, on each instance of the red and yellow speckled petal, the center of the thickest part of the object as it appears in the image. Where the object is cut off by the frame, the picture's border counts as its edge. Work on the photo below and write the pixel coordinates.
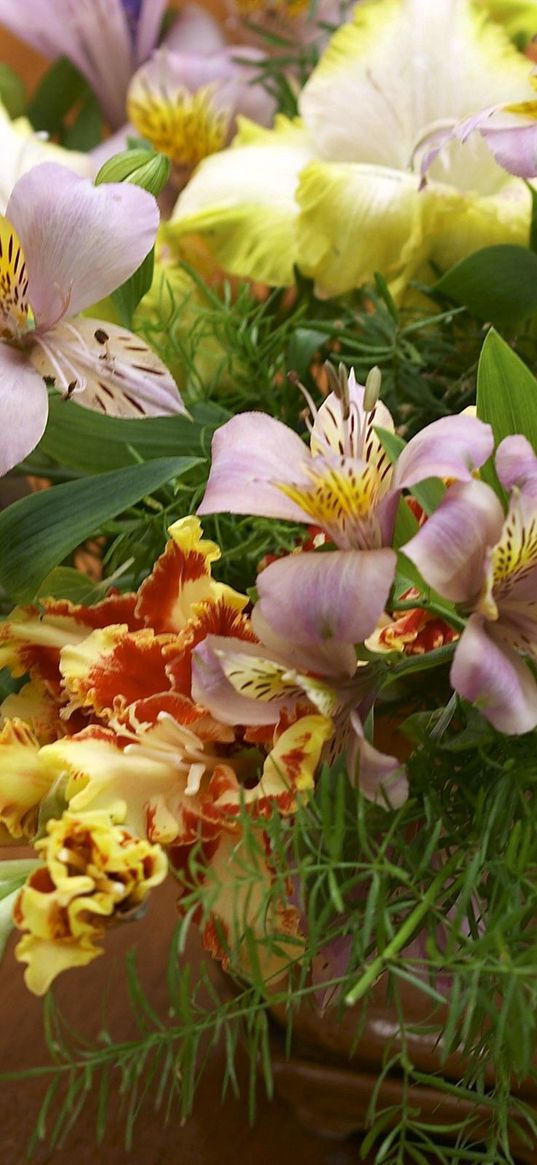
(181, 579)
(247, 910)
(113, 668)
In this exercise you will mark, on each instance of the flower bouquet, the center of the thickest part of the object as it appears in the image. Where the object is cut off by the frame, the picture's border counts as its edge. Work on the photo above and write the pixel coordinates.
(269, 623)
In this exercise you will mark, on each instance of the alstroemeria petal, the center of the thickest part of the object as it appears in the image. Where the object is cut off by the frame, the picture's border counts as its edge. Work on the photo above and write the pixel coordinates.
(452, 447)
(354, 435)
(291, 765)
(148, 27)
(514, 147)
(451, 547)
(106, 368)
(240, 683)
(80, 241)
(380, 777)
(23, 406)
(194, 30)
(317, 598)
(243, 201)
(93, 34)
(250, 453)
(493, 676)
(516, 464)
(327, 658)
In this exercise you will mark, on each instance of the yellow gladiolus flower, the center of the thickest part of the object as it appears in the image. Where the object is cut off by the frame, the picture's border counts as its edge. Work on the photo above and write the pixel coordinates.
(94, 873)
(337, 192)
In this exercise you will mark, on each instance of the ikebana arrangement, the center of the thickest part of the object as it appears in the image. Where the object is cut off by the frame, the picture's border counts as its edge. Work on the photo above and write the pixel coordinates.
(268, 301)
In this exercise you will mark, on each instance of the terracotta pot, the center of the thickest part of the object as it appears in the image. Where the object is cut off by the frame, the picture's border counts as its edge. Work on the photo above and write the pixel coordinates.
(330, 1078)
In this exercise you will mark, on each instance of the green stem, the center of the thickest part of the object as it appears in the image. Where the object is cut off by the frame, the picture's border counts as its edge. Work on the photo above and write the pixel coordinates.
(403, 936)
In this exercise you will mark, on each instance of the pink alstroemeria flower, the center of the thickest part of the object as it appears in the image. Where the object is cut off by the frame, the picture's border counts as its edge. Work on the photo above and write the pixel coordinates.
(307, 621)
(486, 561)
(186, 104)
(345, 483)
(64, 245)
(107, 40)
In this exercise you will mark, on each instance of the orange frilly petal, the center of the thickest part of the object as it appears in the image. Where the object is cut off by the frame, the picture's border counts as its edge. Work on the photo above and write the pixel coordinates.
(181, 579)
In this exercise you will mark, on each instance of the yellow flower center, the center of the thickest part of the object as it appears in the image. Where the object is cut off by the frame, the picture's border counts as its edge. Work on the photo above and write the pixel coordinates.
(184, 126)
(341, 501)
(13, 283)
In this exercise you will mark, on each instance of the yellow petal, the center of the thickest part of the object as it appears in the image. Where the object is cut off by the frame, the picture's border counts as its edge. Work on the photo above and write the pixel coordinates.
(398, 69)
(355, 220)
(23, 780)
(242, 201)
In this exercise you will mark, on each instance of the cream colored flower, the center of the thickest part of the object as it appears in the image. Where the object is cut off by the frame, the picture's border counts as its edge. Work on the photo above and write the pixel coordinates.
(337, 193)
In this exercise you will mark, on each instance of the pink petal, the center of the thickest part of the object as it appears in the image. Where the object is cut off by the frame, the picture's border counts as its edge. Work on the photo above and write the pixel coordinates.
(194, 31)
(93, 34)
(451, 447)
(80, 242)
(514, 148)
(451, 547)
(516, 464)
(380, 777)
(317, 597)
(494, 677)
(149, 26)
(330, 658)
(212, 689)
(250, 454)
(23, 407)
(107, 368)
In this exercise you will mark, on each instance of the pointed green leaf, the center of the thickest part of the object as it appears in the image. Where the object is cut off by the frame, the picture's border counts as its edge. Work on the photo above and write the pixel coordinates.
(83, 440)
(506, 397)
(497, 284)
(37, 532)
(60, 89)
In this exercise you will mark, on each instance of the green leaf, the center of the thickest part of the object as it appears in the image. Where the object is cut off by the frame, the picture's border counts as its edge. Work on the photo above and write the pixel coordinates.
(86, 130)
(37, 532)
(428, 493)
(64, 582)
(85, 441)
(61, 88)
(497, 284)
(302, 347)
(128, 296)
(12, 91)
(506, 397)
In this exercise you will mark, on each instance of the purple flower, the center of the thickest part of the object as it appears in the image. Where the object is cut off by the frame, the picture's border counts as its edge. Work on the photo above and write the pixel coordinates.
(186, 104)
(307, 621)
(345, 482)
(486, 561)
(107, 40)
(64, 245)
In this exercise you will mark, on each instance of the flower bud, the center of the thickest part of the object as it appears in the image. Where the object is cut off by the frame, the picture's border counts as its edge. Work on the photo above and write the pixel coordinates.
(143, 167)
(372, 388)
